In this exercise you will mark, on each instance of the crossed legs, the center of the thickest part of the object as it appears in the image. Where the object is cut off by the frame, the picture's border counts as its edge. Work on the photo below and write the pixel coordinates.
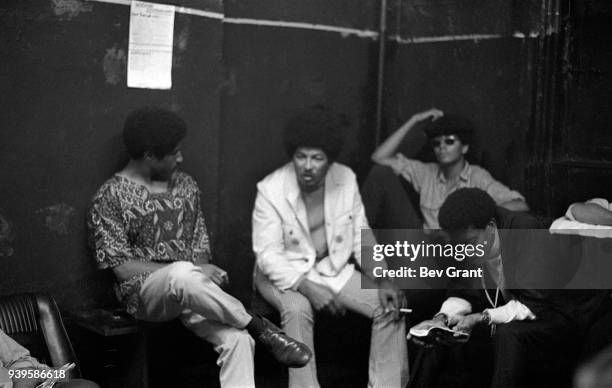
(181, 290)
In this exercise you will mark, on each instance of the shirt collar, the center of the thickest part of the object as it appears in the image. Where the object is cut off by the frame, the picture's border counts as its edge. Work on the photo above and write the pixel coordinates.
(463, 176)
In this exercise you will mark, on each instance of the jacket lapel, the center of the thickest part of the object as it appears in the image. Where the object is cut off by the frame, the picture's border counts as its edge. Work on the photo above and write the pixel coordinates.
(331, 198)
(292, 194)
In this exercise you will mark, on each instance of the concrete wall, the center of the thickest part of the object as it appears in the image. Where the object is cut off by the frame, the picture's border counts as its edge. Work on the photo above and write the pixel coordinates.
(275, 71)
(471, 58)
(63, 102)
(65, 98)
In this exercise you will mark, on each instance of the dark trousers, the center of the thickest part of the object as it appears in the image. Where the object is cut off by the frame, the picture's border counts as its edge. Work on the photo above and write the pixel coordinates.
(392, 203)
(599, 333)
(389, 201)
(538, 353)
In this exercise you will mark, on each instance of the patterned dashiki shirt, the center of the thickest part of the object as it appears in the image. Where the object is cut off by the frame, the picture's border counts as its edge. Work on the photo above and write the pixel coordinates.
(127, 222)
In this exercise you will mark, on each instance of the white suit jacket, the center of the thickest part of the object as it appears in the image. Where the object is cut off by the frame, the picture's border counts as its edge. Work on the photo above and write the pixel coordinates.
(281, 237)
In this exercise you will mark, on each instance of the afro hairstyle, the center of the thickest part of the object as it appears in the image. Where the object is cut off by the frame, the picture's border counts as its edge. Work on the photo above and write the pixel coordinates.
(153, 130)
(467, 208)
(315, 127)
(451, 124)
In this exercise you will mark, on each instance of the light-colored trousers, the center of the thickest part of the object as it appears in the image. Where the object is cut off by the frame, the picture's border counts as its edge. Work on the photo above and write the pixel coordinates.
(182, 290)
(388, 364)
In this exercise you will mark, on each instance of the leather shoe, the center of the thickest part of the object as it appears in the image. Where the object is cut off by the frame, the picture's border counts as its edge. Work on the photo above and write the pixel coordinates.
(285, 349)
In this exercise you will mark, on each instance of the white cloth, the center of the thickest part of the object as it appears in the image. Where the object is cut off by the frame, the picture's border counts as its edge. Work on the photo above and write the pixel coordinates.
(514, 310)
(511, 311)
(568, 224)
(455, 307)
(281, 237)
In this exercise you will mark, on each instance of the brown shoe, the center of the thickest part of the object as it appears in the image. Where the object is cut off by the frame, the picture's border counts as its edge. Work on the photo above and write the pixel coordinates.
(285, 349)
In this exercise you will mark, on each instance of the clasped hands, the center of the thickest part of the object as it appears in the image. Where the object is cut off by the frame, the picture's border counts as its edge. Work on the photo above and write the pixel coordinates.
(323, 299)
(460, 323)
(214, 273)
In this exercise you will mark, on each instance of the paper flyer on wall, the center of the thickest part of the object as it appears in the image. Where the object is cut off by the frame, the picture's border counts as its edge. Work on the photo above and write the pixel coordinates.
(150, 45)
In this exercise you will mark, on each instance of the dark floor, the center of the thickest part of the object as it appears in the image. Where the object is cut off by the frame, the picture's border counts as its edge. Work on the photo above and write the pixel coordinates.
(176, 358)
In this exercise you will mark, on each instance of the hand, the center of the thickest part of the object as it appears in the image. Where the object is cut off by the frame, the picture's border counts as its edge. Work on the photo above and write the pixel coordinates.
(467, 323)
(424, 326)
(432, 113)
(321, 298)
(214, 273)
(391, 299)
(25, 382)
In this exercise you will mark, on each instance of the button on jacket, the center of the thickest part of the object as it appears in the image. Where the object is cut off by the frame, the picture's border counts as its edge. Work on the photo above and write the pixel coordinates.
(281, 237)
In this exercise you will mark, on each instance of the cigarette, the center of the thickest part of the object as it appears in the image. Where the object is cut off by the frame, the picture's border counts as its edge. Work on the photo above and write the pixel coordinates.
(401, 310)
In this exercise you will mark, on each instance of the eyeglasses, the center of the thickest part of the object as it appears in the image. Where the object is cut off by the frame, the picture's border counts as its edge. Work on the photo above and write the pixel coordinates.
(449, 141)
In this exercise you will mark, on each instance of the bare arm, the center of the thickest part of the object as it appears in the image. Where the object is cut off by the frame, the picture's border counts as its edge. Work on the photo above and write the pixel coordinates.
(517, 205)
(384, 153)
(131, 268)
(591, 213)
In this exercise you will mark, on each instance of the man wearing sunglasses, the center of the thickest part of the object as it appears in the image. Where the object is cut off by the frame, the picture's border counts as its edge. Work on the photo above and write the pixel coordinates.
(450, 137)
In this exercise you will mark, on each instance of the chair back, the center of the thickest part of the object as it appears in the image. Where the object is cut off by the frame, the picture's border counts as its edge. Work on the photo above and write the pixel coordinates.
(34, 321)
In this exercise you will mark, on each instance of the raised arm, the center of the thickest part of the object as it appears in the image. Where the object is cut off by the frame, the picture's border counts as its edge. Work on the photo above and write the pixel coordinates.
(517, 205)
(385, 152)
(591, 213)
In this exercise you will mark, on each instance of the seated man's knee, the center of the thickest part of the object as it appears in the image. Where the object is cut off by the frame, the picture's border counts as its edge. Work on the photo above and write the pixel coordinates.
(182, 273)
(300, 309)
(237, 338)
(507, 330)
(510, 335)
(380, 173)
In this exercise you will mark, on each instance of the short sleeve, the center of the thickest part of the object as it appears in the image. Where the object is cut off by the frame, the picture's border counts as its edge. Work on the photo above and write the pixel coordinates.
(107, 232)
(497, 190)
(414, 171)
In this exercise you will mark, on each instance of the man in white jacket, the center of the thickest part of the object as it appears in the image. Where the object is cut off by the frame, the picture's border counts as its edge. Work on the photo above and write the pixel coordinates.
(307, 226)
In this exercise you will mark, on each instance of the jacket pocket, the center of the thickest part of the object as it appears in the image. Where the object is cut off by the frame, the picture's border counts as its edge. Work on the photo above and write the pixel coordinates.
(292, 237)
(342, 237)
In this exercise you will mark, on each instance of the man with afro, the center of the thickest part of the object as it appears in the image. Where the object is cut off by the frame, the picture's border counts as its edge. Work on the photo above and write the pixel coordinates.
(146, 224)
(307, 225)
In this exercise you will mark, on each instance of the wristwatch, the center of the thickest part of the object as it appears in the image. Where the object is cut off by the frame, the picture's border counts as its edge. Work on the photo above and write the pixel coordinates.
(486, 318)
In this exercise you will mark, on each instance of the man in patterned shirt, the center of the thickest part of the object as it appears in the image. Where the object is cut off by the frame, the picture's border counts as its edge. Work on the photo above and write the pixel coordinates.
(146, 224)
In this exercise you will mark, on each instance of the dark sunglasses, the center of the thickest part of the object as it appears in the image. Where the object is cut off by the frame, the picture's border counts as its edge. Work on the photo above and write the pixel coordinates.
(447, 140)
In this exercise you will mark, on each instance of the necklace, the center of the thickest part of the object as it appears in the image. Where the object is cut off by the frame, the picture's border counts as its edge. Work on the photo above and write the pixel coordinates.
(493, 304)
